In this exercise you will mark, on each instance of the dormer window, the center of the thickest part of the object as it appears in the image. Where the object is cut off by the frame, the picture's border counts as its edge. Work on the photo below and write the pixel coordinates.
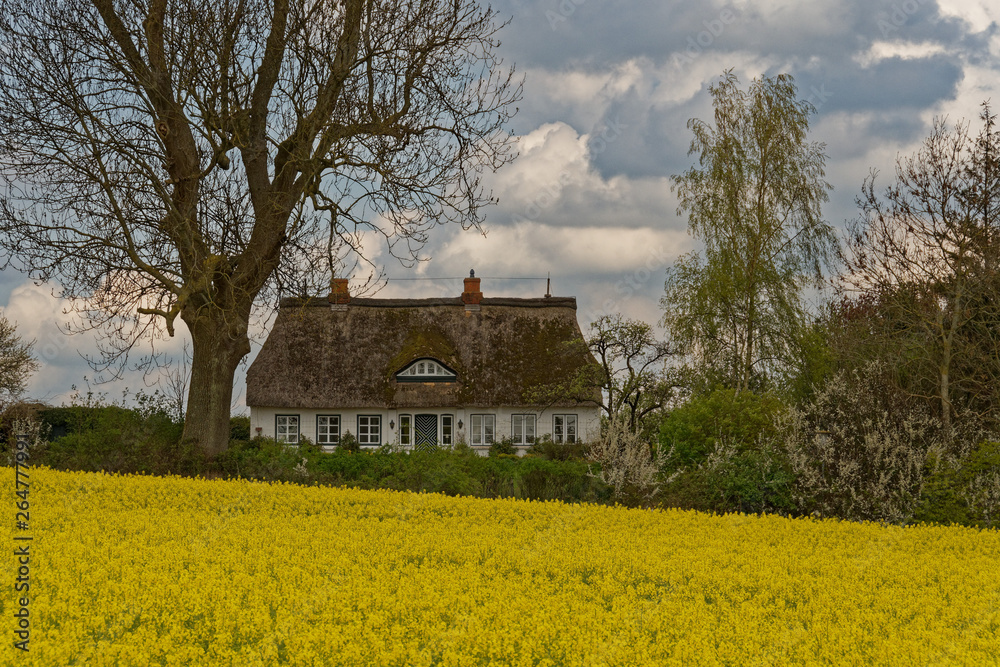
(426, 370)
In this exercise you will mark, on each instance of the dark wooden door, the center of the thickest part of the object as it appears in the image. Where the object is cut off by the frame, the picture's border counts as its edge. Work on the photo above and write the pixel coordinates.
(426, 428)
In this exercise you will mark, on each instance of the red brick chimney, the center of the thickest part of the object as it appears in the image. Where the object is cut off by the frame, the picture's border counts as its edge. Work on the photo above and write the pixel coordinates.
(338, 291)
(472, 296)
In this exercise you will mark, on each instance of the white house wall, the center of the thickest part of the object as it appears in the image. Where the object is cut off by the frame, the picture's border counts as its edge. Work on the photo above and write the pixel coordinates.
(262, 421)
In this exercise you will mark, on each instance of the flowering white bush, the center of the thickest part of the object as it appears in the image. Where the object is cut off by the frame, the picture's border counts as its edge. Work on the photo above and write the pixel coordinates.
(628, 464)
(859, 450)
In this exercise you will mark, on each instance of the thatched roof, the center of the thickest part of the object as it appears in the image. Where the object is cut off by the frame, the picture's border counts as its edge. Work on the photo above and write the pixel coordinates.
(317, 356)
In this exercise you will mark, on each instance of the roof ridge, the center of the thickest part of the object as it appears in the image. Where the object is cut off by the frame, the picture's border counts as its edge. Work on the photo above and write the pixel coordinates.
(371, 302)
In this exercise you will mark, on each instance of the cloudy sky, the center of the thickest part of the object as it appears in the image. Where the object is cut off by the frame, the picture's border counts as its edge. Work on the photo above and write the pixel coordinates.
(610, 86)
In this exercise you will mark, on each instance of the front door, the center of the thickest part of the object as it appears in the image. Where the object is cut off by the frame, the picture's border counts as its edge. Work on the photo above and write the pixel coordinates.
(426, 429)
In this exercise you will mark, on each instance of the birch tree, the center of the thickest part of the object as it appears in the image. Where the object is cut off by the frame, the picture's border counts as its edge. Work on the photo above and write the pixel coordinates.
(754, 200)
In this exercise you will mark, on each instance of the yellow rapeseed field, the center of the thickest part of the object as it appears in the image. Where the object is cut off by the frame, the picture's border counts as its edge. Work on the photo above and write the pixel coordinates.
(172, 571)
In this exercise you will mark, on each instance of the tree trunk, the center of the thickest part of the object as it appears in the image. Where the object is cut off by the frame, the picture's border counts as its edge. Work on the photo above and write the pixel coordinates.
(945, 388)
(747, 362)
(218, 350)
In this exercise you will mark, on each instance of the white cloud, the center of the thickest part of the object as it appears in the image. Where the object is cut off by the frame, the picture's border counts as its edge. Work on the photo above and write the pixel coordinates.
(581, 95)
(533, 249)
(554, 182)
(608, 270)
(550, 159)
(42, 318)
(895, 49)
(979, 13)
(39, 318)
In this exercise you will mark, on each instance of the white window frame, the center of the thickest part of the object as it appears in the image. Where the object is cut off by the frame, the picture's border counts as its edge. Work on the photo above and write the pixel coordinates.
(483, 429)
(290, 434)
(406, 430)
(519, 431)
(447, 431)
(370, 433)
(331, 438)
(565, 428)
(426, 369)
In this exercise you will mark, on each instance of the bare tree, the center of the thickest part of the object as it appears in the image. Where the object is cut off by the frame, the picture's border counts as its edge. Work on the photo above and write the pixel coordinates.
(630, 379)
(634, 376)
(924, 251)
(185, 158)
(175, 375)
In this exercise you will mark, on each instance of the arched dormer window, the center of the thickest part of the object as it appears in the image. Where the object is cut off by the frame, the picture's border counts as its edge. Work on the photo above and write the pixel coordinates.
(426, 370)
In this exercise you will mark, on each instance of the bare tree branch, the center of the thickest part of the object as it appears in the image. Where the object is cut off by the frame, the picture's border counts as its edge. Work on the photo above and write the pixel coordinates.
(120, 121)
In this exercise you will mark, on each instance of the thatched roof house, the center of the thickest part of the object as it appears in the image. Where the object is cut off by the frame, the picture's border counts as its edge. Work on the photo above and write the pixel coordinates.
(421, 371)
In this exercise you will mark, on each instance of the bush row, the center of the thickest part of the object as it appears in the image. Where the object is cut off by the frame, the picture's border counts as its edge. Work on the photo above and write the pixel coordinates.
(849, 453)
(853, 452)
(116, 439)
(452, 471)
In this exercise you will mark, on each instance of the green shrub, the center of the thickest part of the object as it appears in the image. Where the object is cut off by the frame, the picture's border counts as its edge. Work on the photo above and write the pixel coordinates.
(963, 492)
(720, 455)
(463, 471)
(116, 439)
(982, 488)
(941, 499)
(545, 448)
(437, 471)
(543, 479)
(266, 459)
(239, 428)
(753, 481)
(503, 446)
(462, 448)
(693, 431)
(348, 443)
(362, 469)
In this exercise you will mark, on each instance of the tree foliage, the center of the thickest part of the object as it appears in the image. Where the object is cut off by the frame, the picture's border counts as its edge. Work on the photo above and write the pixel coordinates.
(921, 269)
(754, 200)
(170, 159)
(16, 362)
(743, 420)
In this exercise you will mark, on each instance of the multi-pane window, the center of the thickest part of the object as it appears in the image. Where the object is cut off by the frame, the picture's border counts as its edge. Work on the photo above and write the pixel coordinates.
(483, 429)
(447, 429)
(369, 430)
(425, 368)
(564, 428)
(522, 429)
(286, 429)
(328, 431)
(405, 430)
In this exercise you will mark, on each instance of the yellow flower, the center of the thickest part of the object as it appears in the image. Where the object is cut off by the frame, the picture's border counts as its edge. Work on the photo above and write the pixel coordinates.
(133, 570)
